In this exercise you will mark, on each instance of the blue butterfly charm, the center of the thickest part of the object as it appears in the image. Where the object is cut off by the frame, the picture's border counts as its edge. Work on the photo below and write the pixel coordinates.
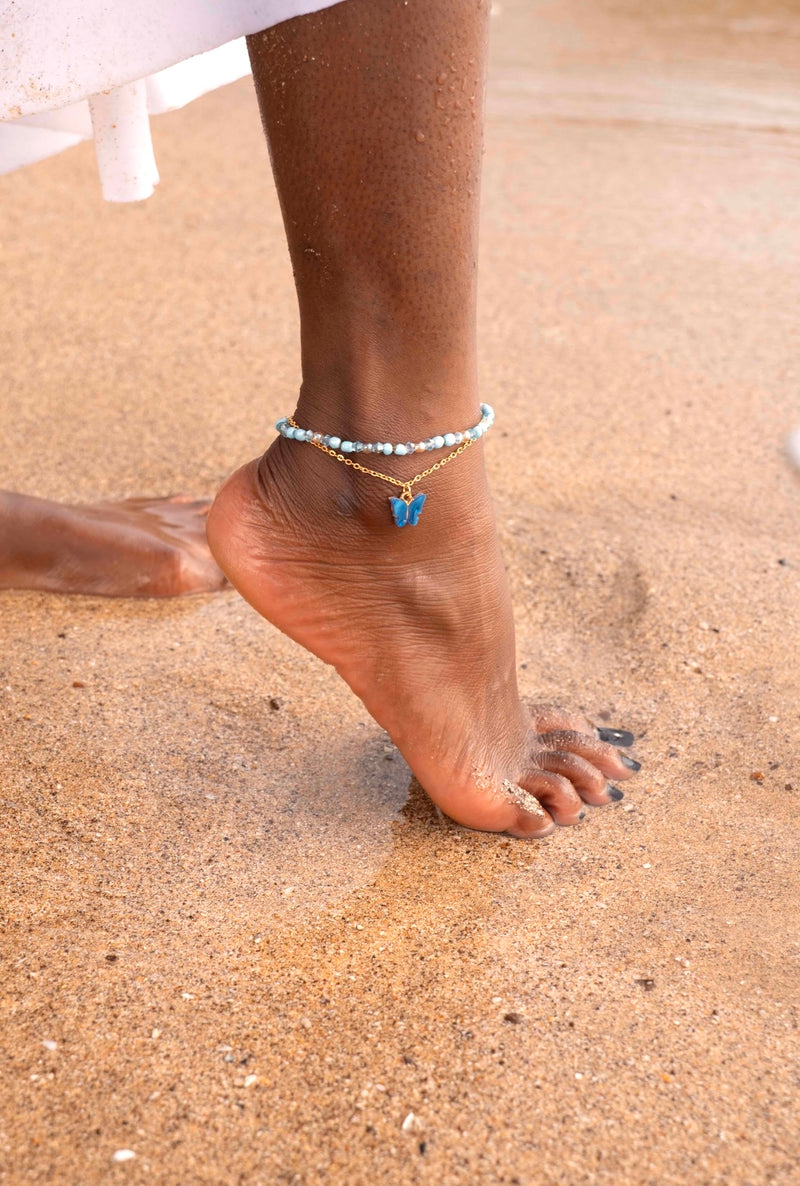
(407, 513)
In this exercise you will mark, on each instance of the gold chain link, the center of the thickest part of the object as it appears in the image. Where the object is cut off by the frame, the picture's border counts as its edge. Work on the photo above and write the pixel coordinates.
(405, 487)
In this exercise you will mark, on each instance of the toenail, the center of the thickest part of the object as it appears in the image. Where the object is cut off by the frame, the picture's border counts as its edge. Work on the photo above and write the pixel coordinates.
(616, 736)
(616, 794)
(631, 763)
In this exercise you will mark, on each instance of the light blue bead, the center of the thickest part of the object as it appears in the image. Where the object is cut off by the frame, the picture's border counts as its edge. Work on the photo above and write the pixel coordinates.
(472, 433)
(438, 442)
(400, 450)
(291, 433)
(346, 446)
(387, 449)
(449, 439)
(335, 442)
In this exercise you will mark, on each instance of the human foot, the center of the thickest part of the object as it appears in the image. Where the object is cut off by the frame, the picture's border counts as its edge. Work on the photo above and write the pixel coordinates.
(418, 622)
(142, 547)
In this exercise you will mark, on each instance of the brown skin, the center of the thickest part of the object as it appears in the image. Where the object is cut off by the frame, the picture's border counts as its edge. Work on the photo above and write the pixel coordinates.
(143, 547)
(373, 114)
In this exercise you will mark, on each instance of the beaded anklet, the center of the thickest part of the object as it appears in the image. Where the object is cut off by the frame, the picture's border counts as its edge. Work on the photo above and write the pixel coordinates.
(406, 509)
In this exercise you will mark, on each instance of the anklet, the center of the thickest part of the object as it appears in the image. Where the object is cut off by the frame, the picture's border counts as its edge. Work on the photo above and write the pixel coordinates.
(287, 427)
(406, 509)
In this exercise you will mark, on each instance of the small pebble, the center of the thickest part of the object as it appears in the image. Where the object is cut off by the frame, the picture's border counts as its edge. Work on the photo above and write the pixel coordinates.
(409, 1123)
(123, 1155)
(49, 1044)
(251, 1080)
(276, 703)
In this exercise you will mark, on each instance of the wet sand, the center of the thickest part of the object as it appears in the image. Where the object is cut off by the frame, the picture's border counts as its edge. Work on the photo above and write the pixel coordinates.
(236, 941)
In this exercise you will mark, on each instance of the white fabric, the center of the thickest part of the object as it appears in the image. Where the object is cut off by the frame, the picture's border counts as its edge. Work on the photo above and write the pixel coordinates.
(71, 70)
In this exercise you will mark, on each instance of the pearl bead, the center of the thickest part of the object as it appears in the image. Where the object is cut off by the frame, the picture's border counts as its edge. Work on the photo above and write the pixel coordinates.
(420, 448)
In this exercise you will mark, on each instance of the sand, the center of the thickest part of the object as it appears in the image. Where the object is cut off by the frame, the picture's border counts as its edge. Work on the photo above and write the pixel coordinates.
(237, 941)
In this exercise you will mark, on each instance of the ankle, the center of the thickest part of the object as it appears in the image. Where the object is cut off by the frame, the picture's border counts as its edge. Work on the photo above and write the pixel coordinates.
(387, 411)
(331, 503)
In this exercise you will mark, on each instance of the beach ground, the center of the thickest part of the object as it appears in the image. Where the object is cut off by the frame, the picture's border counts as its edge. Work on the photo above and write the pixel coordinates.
(238, 942)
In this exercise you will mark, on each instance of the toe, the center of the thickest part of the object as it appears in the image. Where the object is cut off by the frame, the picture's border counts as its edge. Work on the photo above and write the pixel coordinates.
(556, 794)
(529, 819)
(589, 782)
(605, 757)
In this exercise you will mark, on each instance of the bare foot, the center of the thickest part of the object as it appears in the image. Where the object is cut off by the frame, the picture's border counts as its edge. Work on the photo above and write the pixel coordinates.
(142, 547)
(418, 622)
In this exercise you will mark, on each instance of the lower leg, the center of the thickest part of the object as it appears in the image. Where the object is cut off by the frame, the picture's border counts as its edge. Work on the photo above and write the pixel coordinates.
(137, 548)
(373, 115)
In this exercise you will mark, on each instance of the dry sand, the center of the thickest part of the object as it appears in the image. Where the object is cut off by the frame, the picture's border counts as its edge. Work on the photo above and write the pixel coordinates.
(236, 942)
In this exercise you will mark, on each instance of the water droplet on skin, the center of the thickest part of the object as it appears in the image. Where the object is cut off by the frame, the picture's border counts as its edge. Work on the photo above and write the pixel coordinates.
(419, 137)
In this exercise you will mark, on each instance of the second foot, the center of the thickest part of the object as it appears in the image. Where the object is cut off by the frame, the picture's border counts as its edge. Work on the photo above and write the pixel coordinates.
(141, 547)
(418, 622)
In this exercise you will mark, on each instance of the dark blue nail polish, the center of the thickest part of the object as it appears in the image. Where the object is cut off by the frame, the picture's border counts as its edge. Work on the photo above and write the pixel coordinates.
(631, 763)
(616, 736)
(582, 815)
(616, 794)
